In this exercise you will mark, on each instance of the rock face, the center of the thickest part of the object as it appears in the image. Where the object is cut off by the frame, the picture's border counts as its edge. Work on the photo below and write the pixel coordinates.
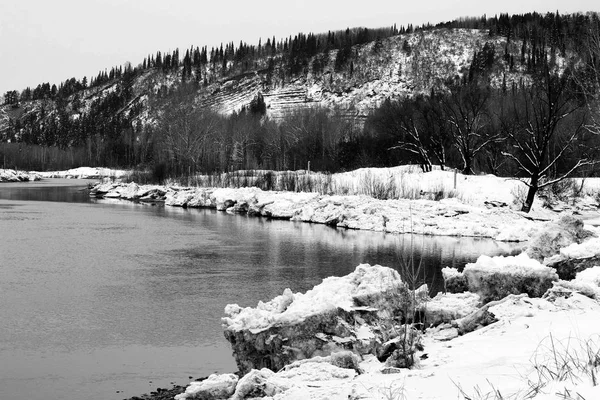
(358, 312)
(556, 235)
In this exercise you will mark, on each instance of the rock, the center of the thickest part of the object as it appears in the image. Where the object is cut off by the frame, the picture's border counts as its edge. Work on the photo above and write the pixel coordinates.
(399, 351)
(493, 278)
(575, 258)
(10, 175)
(179, 198)
(556, 235)
(446, 334)
(346, 359)
(281, 209)
(586, 282)
(567, 268)
(101, 189)
(315, 369)
(131, 191)
(480, 318)
(256, 383)
(454, 281)
(214, 387)
(391, 370)
(444, 308)
(356, 312)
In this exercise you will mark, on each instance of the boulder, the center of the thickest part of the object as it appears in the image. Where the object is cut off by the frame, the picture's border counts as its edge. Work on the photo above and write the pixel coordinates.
(202, 198)
(447, 307)
(102, 188)
(556, 235)
(179, 198)
(586, 282)
(575, 258)
(494, 278)
(357, 312)
(567, 268)
(454, 281)
(131, 191)
(216, 386)
(257, 383)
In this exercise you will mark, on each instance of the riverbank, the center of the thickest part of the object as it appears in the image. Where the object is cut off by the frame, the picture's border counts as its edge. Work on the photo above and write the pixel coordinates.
(11, 175)
(480, 206)
(494, 341)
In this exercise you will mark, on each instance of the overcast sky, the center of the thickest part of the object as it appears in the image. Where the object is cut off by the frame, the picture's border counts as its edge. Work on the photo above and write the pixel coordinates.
(54, 40)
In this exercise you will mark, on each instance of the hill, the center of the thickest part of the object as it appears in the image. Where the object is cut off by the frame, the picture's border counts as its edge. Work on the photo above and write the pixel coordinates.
(308, 98)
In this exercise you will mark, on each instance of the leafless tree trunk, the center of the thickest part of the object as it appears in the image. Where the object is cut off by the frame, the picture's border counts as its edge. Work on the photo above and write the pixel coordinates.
(545, 124)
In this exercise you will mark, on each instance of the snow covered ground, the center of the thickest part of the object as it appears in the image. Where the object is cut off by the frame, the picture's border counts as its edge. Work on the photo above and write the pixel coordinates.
(539, 348)
(85, 173)
(11, 175)
(434, 203)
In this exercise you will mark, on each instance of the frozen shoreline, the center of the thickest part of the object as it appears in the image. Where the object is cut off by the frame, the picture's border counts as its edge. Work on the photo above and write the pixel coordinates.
(11, 175)
(447, 217)
(500, 357)
(476, 206)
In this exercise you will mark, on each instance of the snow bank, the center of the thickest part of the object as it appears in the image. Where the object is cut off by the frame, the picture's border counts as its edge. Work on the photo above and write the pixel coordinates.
(447, 307)
(355, 312)
(590, 275)
(503, 358)
(347, 293)
(216, 386)
(85, 173)
(496, 277)
(553, 236)
(575, 258)
(11, 175)
(447, 217)
(586, 249)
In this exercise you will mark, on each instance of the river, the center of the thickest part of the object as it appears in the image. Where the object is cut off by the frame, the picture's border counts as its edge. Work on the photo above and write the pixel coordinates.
(110, 299)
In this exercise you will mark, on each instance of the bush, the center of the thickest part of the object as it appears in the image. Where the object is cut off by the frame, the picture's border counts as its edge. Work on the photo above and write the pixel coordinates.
(159, 173)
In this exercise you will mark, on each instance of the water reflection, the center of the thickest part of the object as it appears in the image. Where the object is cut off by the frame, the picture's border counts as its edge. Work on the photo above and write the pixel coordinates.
(68, 190)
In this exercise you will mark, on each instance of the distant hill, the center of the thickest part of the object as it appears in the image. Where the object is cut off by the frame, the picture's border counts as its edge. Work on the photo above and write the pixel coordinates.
(118, 117)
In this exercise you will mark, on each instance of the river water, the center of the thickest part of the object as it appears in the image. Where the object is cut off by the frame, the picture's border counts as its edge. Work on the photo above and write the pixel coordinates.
(110, 299)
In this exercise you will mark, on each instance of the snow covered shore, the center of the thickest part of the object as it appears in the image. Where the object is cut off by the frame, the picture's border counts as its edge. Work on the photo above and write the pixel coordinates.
(541, 347)
(480, 206)
(446, 217)
(85, 173)
(11, 175)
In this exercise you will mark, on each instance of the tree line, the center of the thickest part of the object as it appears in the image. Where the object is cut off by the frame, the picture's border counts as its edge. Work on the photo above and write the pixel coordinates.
(542, 127)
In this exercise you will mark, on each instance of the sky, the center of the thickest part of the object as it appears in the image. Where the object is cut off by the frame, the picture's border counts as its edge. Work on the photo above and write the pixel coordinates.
(52, 41)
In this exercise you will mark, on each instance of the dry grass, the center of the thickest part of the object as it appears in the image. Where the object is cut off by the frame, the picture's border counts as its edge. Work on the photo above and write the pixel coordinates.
(384, 185)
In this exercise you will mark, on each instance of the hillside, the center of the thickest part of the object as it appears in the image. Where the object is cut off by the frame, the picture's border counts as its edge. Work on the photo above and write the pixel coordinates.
(288, 92)
(375, 71)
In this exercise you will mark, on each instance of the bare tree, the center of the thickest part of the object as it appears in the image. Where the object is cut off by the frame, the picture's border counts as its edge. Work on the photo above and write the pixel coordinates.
(186, 133)
(418, 127)
(466, 111)
(545, 124)
(589, 81)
